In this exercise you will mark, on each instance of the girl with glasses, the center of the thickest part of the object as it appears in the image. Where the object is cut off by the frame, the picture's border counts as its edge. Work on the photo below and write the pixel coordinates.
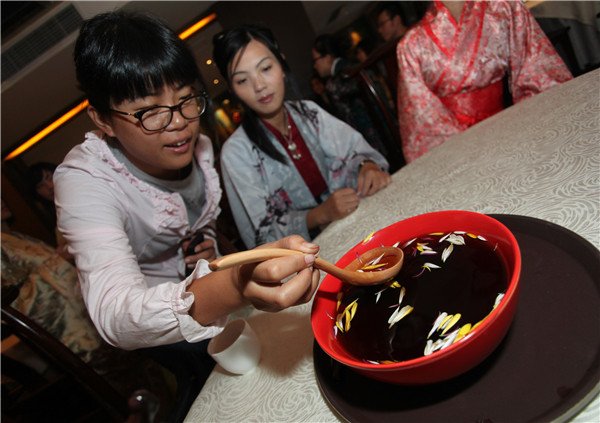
(143, 182)
(291, 168)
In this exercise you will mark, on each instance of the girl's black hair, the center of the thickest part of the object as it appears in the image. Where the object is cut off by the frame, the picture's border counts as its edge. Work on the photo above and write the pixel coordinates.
(226, 45)
(127, 55)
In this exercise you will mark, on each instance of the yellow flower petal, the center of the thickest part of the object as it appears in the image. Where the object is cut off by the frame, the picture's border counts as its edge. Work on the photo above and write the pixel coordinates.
(368, 238)
(451, 323)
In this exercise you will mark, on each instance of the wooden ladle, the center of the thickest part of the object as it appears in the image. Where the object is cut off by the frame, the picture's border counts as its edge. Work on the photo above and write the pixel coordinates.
(392, 257)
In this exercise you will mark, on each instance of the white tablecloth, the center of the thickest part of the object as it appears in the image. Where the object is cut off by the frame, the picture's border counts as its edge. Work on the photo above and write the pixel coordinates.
(540, 158)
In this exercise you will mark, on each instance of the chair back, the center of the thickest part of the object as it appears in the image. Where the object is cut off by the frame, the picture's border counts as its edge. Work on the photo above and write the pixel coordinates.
(63, 359)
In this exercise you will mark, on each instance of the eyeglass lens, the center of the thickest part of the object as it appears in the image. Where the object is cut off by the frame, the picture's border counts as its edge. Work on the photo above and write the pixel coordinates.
(161, 116)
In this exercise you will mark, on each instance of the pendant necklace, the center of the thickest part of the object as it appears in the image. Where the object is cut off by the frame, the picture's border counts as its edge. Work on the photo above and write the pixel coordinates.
(291, 145)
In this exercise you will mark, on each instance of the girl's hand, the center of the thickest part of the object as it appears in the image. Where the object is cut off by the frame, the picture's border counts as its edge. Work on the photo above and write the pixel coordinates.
(261, 283)
(371, 179)
(204, 250)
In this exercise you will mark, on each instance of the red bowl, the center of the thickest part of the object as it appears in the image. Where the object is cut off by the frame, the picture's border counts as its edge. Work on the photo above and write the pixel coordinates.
(455, 359)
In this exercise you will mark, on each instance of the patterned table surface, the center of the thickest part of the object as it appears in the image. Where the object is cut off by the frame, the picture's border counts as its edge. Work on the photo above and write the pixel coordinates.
(540, 158)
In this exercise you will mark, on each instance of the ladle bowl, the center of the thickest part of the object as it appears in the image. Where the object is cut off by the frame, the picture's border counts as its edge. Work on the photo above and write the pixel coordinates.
(389, 259)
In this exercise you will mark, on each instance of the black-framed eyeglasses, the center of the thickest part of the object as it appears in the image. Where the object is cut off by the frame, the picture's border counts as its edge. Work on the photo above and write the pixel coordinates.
(159, 117)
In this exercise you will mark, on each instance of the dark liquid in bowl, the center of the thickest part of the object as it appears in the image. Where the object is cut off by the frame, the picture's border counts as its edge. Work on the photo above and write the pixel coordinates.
(468, 282)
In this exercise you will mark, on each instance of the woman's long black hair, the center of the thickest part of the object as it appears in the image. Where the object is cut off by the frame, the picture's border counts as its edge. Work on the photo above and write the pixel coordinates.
(226, 45)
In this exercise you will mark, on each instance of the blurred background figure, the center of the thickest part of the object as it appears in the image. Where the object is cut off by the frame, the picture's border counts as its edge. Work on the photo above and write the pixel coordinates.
(362, 51)
(389, 21)
(454, 62)
(329, 61)
(320, 95)
(39, 177)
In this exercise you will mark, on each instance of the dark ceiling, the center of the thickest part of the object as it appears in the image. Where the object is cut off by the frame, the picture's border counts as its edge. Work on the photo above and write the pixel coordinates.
(15, 14)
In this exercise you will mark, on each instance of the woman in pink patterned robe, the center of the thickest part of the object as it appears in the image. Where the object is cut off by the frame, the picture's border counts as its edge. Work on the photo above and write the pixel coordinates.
(451, 70)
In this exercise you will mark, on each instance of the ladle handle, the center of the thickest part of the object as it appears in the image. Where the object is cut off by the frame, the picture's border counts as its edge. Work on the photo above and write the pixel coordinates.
(250, 256)
(354, 277)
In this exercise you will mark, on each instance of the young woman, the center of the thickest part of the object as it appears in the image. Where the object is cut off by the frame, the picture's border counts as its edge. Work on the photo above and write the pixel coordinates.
(134, 190)
(291, 167)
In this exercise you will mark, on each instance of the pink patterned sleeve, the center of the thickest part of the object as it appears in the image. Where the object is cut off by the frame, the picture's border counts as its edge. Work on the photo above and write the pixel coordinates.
(535, 65)
(424, 121)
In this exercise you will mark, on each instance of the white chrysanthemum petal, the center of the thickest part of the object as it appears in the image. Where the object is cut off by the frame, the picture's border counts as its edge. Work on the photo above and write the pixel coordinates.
(498, 299)
(447, 251)
(449, 339)
(409, 242)
(428, 348)
(401, 297)
(456, 239)
(399, 314)
(376, 260)
(437, 323)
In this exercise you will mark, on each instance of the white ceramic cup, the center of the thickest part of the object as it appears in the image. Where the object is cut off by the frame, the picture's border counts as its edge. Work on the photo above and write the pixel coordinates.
(236, 348)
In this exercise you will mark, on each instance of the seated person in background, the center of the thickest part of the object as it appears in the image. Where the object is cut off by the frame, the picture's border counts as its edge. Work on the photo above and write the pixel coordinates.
(40, 178)
(49, 294)
(363, 49)
(291, 167)
(130, 198)
(389, 21)
(329, 63)
(452, 65)
(320, 96)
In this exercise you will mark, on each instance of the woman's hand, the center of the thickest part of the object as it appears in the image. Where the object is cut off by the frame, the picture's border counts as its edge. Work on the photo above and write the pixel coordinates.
(260, 283)
(371, 179)
(338, 205)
